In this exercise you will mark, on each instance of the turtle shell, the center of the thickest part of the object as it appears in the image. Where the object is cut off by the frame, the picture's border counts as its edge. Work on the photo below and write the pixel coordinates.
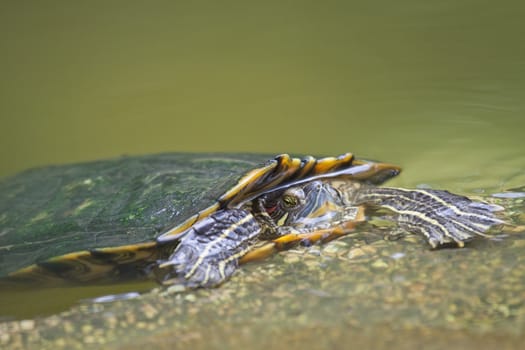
(111, 212)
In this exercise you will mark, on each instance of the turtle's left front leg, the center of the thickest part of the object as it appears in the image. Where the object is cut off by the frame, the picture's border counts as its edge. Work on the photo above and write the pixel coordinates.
(442, 217)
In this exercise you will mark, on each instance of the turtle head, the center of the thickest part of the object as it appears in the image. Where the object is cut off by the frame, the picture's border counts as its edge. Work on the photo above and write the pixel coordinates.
(311, 205)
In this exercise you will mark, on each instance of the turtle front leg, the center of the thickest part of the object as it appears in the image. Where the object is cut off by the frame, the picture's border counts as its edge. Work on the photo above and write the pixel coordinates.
(442, 217)
(209, 252)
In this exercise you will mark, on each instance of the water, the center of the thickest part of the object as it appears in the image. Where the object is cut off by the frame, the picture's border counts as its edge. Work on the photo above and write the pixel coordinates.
(438, 88)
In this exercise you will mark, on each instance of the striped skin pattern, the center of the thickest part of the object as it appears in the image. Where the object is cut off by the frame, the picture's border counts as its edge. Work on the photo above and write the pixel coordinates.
(210, 250)
(442, 217)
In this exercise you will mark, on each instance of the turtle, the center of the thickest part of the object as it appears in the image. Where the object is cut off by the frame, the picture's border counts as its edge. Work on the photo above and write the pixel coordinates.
(115, 219)
(193, 218)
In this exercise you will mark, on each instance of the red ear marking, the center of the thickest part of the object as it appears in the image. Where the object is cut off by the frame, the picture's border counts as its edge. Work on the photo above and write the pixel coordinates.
(271, 209)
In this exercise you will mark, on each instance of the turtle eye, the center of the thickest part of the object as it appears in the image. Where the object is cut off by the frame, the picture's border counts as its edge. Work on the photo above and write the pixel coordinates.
(290, 201)
(292, 198)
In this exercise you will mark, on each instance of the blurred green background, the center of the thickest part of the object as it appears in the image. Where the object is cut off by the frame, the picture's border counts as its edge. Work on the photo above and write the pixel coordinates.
(438, 87)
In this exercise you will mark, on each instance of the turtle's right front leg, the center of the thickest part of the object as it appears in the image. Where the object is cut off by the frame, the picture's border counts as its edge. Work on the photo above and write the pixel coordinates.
(208, 254)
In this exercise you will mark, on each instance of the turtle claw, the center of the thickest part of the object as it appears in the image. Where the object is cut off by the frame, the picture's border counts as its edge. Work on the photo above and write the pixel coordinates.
(395, 235)
(186, 267)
